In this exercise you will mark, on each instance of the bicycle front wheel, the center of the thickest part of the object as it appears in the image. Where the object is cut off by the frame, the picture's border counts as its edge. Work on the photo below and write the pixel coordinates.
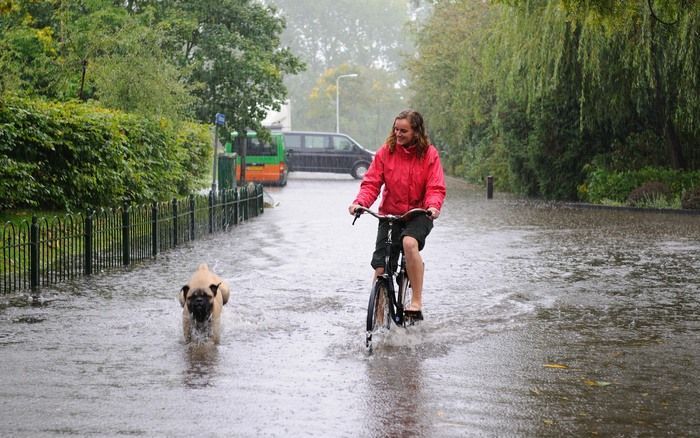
(378, 307)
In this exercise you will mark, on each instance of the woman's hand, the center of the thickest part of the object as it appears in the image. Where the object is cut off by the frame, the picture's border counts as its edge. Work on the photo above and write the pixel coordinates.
(352, 208)
(434, 213)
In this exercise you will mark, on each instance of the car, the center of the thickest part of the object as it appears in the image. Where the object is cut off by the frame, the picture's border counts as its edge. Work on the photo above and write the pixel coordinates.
(310, 151)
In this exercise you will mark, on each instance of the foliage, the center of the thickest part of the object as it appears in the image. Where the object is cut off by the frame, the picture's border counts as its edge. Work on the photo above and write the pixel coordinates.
(454, 91)
(231, 51)
(605, 185)
(649, 192)
(74, 155)
(345, 36)
(17, 185)
(691, 198)
(159, 59)
(90, 50)
(563, 84)
(368, 103)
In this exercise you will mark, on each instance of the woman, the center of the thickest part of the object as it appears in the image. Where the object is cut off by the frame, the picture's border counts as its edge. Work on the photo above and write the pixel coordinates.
(409, 168)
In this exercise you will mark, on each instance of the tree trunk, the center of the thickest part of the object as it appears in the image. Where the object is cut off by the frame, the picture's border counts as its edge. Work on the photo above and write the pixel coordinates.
(673, 146)
(664, 104)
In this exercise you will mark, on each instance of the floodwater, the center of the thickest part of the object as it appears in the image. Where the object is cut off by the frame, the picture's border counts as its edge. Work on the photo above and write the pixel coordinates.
(541, 320)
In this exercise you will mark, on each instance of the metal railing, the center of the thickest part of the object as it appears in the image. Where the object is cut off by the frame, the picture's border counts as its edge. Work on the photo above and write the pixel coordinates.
(47, 251)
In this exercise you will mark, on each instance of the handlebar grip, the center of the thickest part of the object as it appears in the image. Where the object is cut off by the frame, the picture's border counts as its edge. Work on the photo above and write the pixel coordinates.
(358, 213)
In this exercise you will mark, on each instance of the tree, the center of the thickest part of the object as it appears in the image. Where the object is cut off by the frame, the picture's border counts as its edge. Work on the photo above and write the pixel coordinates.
(89, 50)
(368, 103)
(453, 88)
(553, 88)
(632, 64)
(231, 49)
(344, 35)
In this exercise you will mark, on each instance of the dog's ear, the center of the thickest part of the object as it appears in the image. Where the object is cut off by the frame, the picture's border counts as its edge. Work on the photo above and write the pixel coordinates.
(182, 296)
(214, 288)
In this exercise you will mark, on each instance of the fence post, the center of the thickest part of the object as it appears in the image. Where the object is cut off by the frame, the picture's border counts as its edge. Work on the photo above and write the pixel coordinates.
(211, 211)
(246, 204)
(261, 200)
(126, 241)
(224, 209)
(154, 229)
(236, 207)
(174, 222)
(34, 253)
(192, 217)
(489, 187)
(88, 244)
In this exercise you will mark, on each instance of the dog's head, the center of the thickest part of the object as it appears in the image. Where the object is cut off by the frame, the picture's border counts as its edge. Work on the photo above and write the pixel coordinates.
(200, 301)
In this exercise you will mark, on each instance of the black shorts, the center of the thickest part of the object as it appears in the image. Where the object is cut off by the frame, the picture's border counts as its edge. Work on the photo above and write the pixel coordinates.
(418, 227)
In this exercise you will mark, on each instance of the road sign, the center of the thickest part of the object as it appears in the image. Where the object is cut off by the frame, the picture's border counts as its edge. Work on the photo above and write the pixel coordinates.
(220, 119)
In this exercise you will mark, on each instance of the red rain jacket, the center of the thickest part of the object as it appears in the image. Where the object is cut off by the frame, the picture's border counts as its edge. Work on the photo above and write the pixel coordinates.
(409, 182)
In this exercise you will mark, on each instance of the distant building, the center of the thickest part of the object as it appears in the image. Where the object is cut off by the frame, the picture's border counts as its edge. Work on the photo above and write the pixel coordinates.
(279, 120)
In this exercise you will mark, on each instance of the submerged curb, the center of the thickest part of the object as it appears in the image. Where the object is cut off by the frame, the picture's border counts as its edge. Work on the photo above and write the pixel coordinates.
(626, 208)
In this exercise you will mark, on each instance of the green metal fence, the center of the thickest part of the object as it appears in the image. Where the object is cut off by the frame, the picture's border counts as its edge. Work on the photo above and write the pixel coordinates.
(47, 251)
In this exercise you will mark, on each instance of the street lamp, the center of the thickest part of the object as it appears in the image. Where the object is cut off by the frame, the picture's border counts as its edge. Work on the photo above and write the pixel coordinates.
(337, 98)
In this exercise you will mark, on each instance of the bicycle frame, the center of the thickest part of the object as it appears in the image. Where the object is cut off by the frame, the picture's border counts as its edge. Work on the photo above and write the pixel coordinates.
(395, 297)
(395, 301)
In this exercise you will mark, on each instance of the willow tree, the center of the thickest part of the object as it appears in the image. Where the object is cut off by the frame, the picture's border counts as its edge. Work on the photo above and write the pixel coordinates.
(454, 89)
(639, 64)
(550, 87)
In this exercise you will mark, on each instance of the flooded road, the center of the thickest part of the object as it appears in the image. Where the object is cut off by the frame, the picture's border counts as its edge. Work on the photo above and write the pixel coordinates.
(541, 320)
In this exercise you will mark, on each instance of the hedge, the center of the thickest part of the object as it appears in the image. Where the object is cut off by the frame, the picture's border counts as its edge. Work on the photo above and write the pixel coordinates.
(77, 155)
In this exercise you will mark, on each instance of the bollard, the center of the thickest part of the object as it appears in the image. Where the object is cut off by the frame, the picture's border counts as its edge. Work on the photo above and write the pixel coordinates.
(489, 187)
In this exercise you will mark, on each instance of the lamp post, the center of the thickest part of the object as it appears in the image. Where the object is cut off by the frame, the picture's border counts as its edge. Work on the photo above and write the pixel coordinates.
(337, 98)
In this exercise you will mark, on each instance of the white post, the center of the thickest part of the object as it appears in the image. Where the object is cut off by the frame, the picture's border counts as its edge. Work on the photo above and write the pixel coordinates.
(337, 98)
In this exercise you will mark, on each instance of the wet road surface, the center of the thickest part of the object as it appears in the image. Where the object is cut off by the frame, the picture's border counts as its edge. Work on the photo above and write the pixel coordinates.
(541, 320)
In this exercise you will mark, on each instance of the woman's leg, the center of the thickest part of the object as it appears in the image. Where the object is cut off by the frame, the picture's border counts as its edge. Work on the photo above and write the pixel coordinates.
(414, 266)
(378, 272)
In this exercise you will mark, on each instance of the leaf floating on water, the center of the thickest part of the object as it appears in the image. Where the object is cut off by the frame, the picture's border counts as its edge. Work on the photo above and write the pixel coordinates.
(548, 422)
(590, 382)
(558, 366)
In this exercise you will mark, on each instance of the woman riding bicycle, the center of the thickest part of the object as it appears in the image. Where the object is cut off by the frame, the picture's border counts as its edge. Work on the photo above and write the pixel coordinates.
(409, 168)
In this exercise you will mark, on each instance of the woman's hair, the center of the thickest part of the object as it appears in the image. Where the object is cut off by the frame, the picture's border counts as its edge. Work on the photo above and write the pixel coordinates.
(416, 121)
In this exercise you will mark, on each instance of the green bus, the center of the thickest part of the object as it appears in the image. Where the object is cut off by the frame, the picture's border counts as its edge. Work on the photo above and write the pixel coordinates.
(265, 162)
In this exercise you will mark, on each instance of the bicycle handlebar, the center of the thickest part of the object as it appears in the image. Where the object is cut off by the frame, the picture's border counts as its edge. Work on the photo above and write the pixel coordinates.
(392, 217)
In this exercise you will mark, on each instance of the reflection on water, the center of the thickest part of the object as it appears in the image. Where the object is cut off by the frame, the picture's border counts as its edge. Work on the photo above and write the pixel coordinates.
(613, 297)
(202, 362)
(395, 393)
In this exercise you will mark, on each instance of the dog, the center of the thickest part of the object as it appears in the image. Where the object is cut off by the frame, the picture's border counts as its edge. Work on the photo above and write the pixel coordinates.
(202, 299)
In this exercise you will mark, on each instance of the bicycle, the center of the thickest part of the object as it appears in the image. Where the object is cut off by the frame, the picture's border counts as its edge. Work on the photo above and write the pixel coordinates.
(386, 303)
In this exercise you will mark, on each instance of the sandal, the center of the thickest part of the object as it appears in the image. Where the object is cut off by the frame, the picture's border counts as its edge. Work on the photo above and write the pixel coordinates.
(414, 314)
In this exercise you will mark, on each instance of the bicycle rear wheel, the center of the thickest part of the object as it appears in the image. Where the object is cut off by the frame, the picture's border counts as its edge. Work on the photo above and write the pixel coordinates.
(377, 309)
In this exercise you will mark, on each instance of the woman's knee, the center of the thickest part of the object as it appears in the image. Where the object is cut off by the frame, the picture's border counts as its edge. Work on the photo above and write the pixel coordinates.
(410, 244)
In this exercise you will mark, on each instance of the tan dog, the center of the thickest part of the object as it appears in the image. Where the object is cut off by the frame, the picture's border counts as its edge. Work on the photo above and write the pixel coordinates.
(202, 299)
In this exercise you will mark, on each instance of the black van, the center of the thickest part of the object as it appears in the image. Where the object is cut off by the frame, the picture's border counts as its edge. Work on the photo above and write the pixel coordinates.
(326, 152)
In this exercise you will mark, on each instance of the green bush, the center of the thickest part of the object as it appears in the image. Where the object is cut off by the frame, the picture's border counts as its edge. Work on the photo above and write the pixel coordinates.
(17, 186)
(603, 186)
(77, 155)
(649, 193)
(691, 199)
